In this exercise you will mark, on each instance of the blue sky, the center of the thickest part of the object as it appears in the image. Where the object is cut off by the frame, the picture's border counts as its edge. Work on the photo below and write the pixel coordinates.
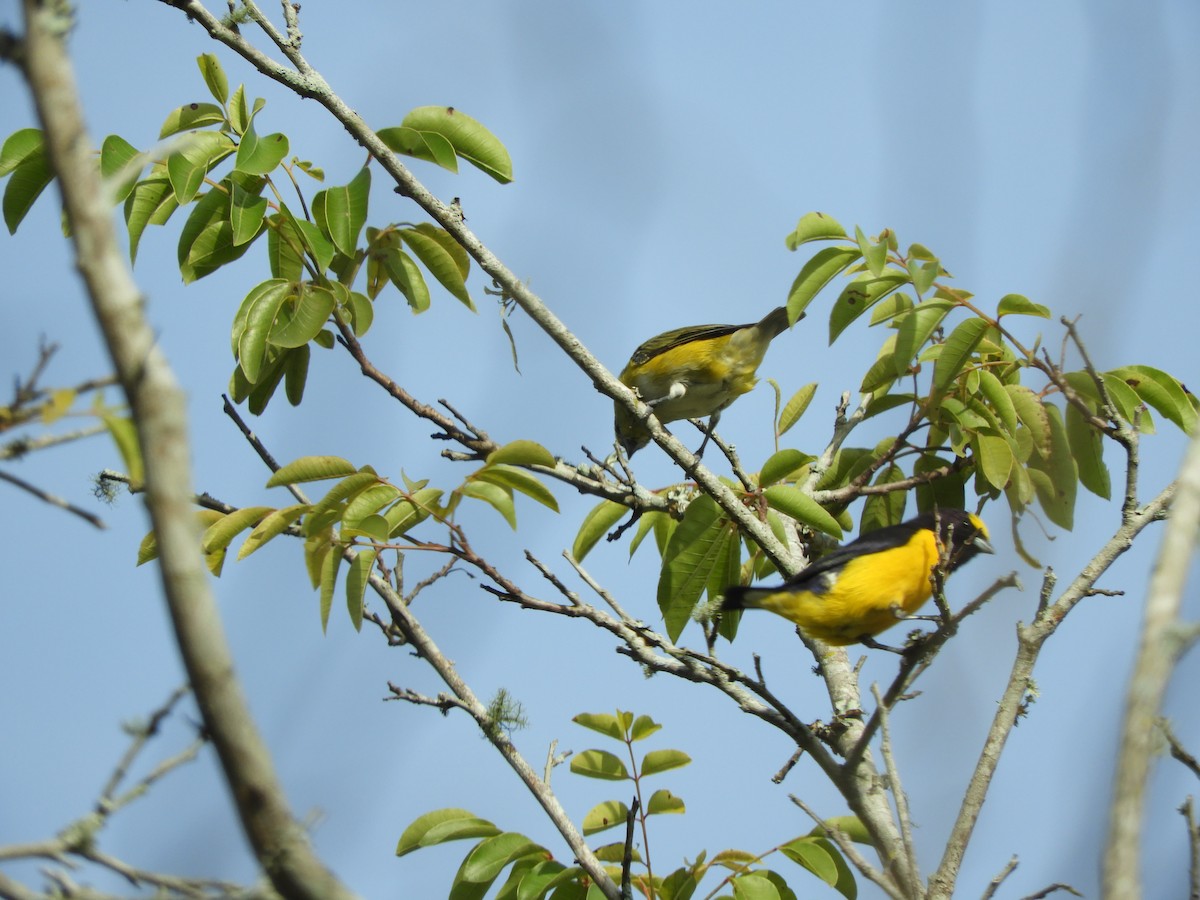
(662, 152)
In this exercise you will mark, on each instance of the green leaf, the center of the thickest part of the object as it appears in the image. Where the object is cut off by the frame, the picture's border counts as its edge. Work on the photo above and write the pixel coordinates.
(262, 313)
(518, 479)
(998, 399)
(246, 212)
(825, 265)
(604, 816)
(407, 278)
(430, 147)
(26, 183)
(499, 498)
(874, 255)
(329, 569)
(860, 295)
(356, 584)
(206, 239)
(1087, 447)
(782, 464)
(956, 352)
(191, 116)
(345, 490)
(1054, 478)
(599, 764)
(312, 468)
(662, 761)
(595, 525)
(124, 435)
(151, 202)
(643, 727)
(1032, 414)
(469, 138)
(754, 886)
(272, 526)
(663, 801)
(795, 407)
(285, 247)
(413, 511)
(418, 834)
(812, 855)
(604, 723)
(198, 153)
(219, 535)
(882, 510)
(804, 509)
(121, 165)
(18, 147)
(1016, 305)
(522, 453)
(994, 459)
(260, 155)
(312, 308)
(341, 212)
(441, 263)
(923, 274)
(1161, 391)
(214, 76)
(696, 549)
(814, 226)
(369, 502)
(914, 329)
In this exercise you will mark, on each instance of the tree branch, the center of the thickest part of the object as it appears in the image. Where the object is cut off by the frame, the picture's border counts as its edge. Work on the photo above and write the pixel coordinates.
(279, 841)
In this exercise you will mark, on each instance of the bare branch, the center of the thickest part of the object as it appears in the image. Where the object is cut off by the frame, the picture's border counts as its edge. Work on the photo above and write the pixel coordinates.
(1158, 651)
(53, 499)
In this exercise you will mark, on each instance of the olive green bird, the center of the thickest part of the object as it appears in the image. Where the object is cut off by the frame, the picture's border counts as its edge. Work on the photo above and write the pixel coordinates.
(692, 372)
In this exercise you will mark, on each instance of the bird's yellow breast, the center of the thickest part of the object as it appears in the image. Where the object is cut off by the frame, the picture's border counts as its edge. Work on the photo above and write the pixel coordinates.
(866, 596)
(714, 372)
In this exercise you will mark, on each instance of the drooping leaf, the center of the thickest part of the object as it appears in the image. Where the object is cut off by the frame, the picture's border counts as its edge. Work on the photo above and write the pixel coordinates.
(443, 825)
(604, 723)
(1016, 305)
(312, 468)
(470, 139)
(356, 584)
(696, 549)
(956, 352)
(272, 526)
(825, 265)
(439, 261)
(1087, 446)
(28, 179)
(151, 202)
(341, 211)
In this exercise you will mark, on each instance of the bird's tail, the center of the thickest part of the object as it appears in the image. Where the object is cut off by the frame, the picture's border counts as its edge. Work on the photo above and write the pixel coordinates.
(738, 596)
(775, 322)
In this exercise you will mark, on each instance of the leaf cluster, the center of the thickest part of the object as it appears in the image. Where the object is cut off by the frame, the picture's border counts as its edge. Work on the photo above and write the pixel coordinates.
(974, 415)
(535, 874)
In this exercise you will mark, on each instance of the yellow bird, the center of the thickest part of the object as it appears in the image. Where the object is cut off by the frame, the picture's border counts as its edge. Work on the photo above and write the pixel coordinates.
(858, 590)
(694, 372)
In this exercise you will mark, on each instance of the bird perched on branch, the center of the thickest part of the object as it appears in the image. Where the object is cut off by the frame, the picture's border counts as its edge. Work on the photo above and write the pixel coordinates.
(694, 372)
(858, 590)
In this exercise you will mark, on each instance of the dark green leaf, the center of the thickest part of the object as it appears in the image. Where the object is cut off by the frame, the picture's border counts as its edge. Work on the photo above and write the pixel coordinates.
(260, 155)
(860, 295)
(1087, 446)
(26, 183)
(782, 464)
(341, 212)
(18, 147)
(696, 548)
(151, 202)
(311, 310)
(825, 265)
(1161, 391)
(441, 264)
(956, 352)
(596, 524)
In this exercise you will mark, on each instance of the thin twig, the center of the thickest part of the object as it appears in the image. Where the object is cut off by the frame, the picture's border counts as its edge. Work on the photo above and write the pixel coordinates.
(994, 885)
(53, 499)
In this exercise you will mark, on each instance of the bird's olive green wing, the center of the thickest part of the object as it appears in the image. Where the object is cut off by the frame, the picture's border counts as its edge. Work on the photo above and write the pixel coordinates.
(669, 340)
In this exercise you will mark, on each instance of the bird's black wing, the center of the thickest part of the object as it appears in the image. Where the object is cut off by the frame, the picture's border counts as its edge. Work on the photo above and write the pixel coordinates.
(669, 340)
(872, 542)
